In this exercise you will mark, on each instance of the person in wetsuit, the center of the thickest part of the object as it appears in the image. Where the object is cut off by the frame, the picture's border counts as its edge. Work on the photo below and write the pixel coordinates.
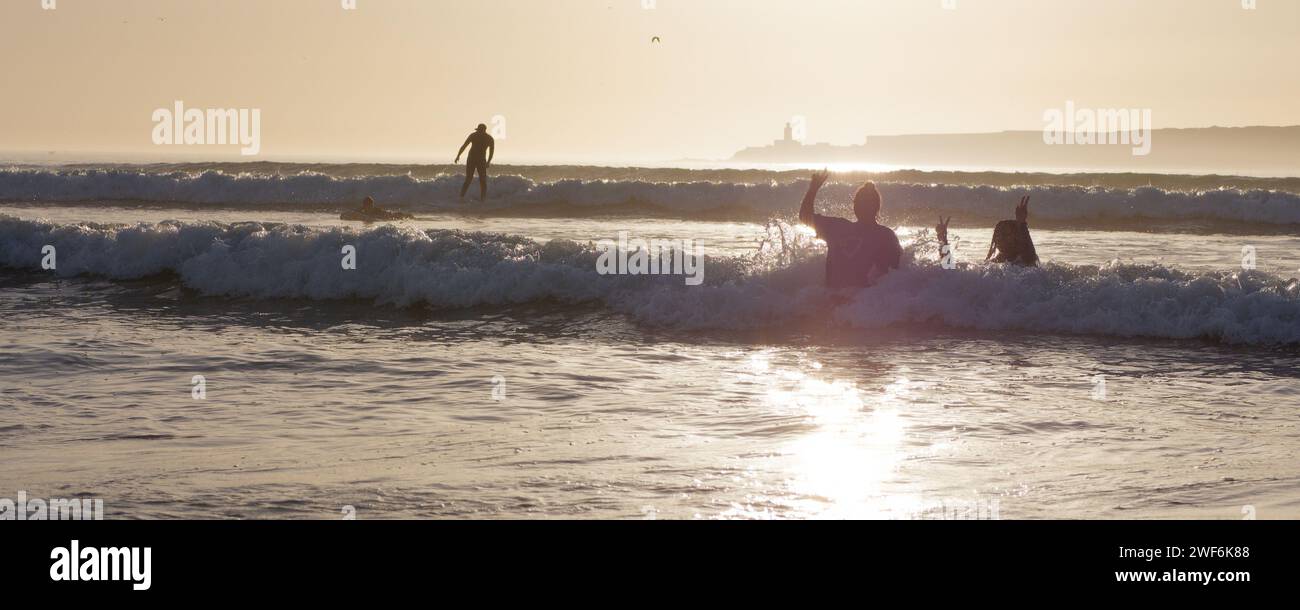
(857, 253)
(370, 212)
(482, 147)
(1011, 240)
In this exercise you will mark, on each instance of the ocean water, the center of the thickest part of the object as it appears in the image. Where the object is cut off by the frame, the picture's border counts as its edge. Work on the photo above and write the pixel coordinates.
(475, 365)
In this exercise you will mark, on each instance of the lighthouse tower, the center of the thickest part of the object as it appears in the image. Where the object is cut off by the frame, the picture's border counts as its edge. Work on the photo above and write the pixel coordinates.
(788, 141)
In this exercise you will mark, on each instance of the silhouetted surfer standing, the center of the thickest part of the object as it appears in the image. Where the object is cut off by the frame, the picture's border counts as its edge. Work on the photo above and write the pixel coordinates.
(482, 148)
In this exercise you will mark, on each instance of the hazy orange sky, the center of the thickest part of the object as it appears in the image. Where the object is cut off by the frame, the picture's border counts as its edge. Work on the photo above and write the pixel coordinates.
(580, 80)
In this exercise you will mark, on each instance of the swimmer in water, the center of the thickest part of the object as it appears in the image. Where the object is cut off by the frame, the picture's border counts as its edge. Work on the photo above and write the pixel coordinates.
(1011, 240)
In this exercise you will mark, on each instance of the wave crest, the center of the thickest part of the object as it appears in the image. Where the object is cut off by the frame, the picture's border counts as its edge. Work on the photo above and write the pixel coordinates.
(455, 269)
(905, 201)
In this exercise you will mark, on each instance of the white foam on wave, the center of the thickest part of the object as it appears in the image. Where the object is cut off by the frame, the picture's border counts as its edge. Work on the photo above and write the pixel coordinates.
(1115, 299)
(316, 190)
(455, 269)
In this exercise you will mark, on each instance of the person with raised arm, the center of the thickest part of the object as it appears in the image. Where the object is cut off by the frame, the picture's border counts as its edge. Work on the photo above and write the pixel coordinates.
(1011, 240)
(857, 253)
(941, 233)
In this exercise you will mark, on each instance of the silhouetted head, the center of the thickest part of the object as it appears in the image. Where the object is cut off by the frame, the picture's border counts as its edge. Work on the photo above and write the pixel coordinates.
(1009, 244)
(481, 127)
(866, 202)
(368, 203)
(1004, 238)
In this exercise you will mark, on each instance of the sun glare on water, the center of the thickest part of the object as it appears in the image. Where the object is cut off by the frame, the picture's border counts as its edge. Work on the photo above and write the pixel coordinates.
(840, 468)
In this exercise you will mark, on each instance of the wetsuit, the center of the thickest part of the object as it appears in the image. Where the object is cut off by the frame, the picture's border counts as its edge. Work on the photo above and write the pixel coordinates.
(477, 161)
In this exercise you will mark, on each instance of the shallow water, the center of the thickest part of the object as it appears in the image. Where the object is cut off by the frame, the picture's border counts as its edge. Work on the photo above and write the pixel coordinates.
(755, 398)
(1276, 254)
(311, 407)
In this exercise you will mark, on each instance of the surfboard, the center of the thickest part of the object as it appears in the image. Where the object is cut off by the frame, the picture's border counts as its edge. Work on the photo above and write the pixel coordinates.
(374, 217)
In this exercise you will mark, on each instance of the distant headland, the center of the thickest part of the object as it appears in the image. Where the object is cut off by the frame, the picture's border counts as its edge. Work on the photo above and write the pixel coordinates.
(1249, 150)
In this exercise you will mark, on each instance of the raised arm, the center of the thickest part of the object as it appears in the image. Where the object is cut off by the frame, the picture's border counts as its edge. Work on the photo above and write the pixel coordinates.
(1018, 245)
(941, 231)
(462, 149)
(806, 208)
(1028, 255)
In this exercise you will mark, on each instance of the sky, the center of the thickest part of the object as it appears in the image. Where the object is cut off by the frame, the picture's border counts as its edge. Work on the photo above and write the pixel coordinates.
(582, 80)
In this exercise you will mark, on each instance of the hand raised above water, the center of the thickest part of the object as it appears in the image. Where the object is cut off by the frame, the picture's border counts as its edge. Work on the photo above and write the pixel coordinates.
(819, 178)
(941, 229)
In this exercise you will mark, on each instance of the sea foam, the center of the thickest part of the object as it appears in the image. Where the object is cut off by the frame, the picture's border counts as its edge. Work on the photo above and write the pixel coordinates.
(449, 269)
(1138, 207)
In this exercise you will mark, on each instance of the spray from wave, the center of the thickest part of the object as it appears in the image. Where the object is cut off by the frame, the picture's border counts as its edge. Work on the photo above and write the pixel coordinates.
(779, 286)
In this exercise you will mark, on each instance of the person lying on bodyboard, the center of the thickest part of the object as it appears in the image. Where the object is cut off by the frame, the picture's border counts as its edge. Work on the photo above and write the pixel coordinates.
(370, 212)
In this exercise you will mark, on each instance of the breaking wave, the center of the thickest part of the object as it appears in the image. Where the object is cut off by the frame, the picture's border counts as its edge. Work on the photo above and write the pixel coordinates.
(404, 266)
(1145, 207)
